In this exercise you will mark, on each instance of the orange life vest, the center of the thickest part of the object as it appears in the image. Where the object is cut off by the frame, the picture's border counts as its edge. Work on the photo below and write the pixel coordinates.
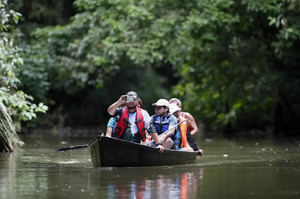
(182, 114)
(183, 132)
(122, 123)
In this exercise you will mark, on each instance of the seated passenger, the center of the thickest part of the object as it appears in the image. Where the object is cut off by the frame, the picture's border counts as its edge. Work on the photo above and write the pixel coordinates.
(180, 140)
(191, 125)
(161, 122)
(111, 125)
(110, 128)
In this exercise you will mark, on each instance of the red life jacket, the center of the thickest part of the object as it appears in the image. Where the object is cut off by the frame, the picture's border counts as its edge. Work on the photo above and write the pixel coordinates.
(122, 123)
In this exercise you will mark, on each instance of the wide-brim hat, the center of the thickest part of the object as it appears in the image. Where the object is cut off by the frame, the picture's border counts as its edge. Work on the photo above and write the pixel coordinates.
(173, 108)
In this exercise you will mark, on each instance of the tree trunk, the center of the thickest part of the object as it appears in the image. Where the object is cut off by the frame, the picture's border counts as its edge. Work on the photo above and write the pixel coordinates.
(8, 135)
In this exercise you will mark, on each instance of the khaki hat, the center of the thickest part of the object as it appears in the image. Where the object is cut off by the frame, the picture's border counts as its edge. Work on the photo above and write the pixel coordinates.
(161, 102)
(173, 108)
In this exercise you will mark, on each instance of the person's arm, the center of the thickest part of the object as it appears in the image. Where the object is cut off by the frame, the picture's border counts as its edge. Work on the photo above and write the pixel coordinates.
(152, 131)
(148, 136)
(108, 131)
(112, 108)
(110, 125)
(156, 139)
(191, 124)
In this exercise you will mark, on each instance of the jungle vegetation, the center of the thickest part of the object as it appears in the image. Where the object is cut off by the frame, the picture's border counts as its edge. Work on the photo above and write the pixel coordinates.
(233, 63)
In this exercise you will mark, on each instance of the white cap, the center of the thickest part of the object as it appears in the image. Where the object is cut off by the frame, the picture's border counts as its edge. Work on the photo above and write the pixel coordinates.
(161, 102)
(175, 100)
(173, 108)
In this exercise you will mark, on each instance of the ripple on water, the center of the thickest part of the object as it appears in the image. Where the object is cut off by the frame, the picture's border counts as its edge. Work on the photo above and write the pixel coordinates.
(69, 162)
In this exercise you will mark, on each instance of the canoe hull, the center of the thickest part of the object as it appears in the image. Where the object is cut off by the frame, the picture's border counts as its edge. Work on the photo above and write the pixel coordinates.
(112, 152)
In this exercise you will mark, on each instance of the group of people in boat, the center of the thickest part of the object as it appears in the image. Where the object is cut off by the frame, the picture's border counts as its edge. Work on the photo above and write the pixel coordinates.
(168, 128)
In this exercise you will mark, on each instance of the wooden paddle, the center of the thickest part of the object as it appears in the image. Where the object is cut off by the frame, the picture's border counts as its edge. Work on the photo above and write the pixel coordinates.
(167, 131)
(65, 148)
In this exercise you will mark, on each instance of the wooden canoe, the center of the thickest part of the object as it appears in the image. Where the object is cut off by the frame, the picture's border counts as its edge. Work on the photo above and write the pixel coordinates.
(113, 152)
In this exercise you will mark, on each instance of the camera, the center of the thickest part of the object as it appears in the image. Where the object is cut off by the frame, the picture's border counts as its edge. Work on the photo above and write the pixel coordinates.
(130, 98)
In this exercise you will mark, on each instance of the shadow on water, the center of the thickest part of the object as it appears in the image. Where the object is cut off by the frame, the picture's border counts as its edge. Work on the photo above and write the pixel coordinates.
(229, 169)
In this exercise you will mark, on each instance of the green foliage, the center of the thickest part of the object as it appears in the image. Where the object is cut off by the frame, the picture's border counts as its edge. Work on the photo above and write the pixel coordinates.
(19, 104)
(35, 71)
(90, 53)
(236, 61)
(232, 54)
(43, 12)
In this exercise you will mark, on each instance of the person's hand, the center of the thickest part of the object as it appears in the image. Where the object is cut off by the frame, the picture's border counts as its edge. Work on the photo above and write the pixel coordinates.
(146, 142)
(122, 100)
(161, 148)
(200, 152)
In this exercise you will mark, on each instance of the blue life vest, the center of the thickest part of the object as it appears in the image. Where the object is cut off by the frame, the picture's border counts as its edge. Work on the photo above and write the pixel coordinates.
(161, 123)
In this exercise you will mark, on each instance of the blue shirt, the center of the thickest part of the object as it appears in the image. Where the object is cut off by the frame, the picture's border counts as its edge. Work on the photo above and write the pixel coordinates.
(112, 122)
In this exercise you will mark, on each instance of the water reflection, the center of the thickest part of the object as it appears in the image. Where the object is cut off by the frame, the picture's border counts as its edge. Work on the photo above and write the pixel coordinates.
(6, 176)
(18, 179)
(169, 183)
(45, 173)
(263, 171)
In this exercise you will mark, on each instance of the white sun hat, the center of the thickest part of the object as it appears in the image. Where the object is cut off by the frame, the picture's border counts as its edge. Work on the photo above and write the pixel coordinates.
(173, 108)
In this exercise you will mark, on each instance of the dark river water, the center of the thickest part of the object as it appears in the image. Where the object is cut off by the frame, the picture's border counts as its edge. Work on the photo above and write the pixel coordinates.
(235, 169)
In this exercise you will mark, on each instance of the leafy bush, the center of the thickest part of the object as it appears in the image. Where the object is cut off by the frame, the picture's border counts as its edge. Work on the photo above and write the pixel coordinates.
(19, 104)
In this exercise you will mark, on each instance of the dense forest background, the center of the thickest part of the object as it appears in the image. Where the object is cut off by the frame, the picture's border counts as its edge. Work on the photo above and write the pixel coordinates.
(233, 63)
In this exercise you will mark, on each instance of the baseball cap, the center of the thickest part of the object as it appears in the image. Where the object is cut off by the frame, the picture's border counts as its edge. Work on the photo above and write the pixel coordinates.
(161, 102)
(132, 93)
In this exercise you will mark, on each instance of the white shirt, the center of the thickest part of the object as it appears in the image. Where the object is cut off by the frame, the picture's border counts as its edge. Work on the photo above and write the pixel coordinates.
(132, 117)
